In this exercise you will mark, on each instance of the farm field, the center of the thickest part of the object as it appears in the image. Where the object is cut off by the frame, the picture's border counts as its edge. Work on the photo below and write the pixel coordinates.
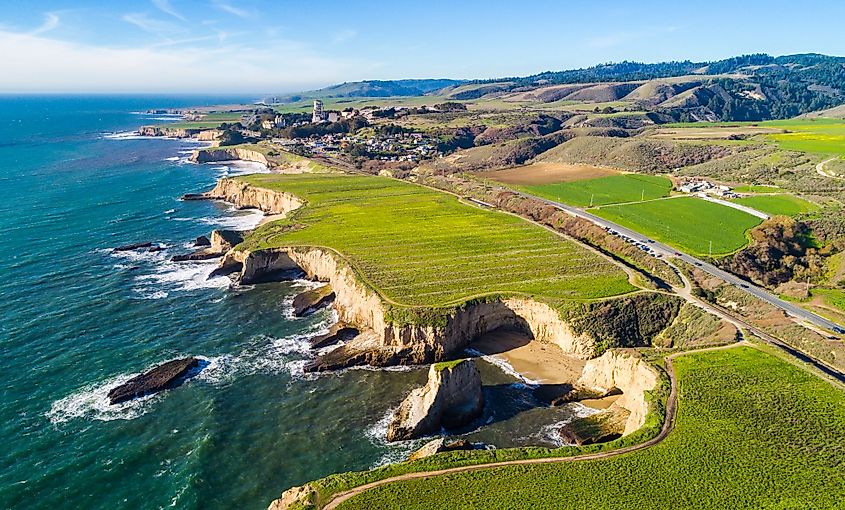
(757, 188)
(687, 223)
(546, 173)
(826, 136)
(605, 190)
(420, 247)
(786, 205)
(736, 444)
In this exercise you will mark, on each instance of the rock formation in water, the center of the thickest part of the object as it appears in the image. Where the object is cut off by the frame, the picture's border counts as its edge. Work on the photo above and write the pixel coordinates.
(159, 378)
(451, 398)
(312, 300)
(134, 246)
(339, 332)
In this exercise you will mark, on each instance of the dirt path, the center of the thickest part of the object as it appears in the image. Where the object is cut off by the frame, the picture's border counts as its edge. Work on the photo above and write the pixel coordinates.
(824, 173)
(668, 425)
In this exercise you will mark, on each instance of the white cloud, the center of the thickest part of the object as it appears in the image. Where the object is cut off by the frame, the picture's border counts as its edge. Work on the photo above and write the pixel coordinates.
(151, 25)
(231, 9)
(166, 7)
(34, 63)
(51, 21)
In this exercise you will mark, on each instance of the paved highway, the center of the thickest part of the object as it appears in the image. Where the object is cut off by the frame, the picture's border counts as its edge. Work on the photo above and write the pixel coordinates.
(668, 251)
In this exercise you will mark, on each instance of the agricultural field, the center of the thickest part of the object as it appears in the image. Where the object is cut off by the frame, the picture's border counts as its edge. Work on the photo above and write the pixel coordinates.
(687, 223)
(421, 247)
(825, 136)
(546, 173)
(613, 189)
(208, 121)
(752, 431)
(787, 205)
(757, 188)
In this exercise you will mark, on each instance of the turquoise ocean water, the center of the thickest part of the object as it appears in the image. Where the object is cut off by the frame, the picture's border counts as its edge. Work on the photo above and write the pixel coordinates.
(78, 319)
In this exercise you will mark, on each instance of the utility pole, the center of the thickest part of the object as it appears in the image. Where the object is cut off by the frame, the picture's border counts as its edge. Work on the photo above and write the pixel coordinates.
(642, 196)
(711, 249)
(591, 199)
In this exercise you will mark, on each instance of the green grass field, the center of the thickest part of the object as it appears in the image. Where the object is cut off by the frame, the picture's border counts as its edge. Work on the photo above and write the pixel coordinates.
(825, 136)
(421, 247)
(787, 205)
(832, 297)
(613, 189)
(757, 188)
(687, 223)
(752, 431)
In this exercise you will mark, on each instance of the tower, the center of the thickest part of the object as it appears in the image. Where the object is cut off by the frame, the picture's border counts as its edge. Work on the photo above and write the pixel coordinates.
(317, 116)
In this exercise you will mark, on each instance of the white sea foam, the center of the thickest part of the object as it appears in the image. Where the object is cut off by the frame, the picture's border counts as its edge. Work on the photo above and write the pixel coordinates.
(92, 402)
(173, 158)
(551, 432)
(504, 366)
(393, 452)
(184, 276)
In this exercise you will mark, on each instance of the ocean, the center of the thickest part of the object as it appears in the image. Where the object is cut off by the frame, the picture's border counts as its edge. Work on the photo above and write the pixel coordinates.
(79, 319)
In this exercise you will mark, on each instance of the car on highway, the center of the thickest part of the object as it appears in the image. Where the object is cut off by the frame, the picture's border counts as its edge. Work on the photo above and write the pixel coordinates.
(837, 329)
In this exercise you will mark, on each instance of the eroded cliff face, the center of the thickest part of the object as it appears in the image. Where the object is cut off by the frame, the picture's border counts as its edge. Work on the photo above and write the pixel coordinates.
(208, 135)
(229, 154)
(384, 343)
(451, 398)
(629, 373)
(241, 194)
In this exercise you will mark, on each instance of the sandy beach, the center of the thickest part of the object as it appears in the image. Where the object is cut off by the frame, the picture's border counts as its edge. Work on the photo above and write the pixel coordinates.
(542, 362)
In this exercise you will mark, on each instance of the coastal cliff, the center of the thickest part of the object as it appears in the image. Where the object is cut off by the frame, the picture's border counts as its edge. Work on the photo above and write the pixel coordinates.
(229, 154)
(386, 341)
(614, 372)
(243, 195)
(394, 334)
(207, 135)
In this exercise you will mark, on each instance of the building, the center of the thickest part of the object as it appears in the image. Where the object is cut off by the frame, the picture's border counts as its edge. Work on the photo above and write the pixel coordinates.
(332, 116)
(317, 115)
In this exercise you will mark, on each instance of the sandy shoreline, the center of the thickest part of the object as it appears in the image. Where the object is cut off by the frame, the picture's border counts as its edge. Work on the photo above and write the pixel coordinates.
(544, 363)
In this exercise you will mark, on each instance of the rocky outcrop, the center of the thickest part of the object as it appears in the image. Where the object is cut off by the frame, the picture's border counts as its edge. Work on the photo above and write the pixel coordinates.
(134, 246)
(207, 135)
(229, 154)
(202, 242)
(451, 398)
(303, 496)
(620, 370)
(243, 195)
(339, 332)
(224, 240)
(159, 378)
(312, 300)
(440, 445)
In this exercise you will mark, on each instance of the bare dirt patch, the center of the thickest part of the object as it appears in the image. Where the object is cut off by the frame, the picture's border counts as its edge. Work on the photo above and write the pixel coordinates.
(547, 173)
(710, 133)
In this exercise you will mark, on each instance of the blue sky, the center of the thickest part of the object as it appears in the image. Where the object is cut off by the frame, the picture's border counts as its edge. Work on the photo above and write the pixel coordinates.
(252, 46)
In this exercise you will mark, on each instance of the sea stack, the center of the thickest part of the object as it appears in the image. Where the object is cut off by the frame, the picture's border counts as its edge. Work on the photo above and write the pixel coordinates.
(159, 378)
(452, 397)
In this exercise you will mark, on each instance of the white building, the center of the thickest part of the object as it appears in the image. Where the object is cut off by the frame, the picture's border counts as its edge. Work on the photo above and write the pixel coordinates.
(317, 115)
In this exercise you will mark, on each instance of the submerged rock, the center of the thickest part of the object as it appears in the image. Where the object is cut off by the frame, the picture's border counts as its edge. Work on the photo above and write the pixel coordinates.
(134, 246)
(451, 398)
(312, 300)
(337, 333)
(157, 379)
